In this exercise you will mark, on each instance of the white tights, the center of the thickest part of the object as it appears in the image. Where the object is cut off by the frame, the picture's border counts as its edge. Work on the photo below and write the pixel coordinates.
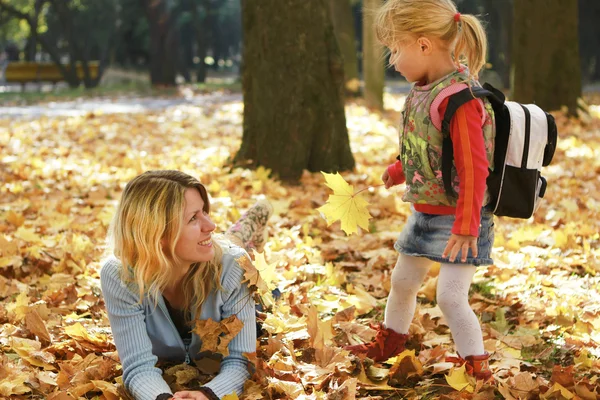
(452, 297)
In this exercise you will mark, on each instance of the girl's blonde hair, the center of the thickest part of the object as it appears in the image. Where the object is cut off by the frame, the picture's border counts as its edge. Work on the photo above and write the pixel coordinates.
(145, 230)
(398, 20)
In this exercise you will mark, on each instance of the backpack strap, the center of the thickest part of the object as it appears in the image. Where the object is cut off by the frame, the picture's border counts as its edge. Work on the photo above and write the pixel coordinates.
(454, 102)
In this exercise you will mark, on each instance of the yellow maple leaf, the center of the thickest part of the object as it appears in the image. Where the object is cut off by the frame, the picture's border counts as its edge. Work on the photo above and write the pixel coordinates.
(345, 205)
(28, 235)
(321, 332)
(457, 378)
(557, 390)
(262, 173)
(583, 360)
(30, 350)
(19, 307)
(80, 333)
(14, 385)
(267, 271)
(231, 396)
(259, 273)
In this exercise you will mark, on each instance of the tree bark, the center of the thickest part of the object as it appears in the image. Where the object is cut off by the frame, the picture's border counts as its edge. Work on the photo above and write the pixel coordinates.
(500, 34)
(589, 34)
(163, 43)
(546, 67)
(292, 82)
(31, 46)
(343, 24)
(373, 67)
(202, 30)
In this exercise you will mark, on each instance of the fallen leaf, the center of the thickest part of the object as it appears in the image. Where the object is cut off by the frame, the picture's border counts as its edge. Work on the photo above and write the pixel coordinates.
(36, 325)
(557, 390)
(344, 205)
(406, 367)
(216, 336)
(458, 380)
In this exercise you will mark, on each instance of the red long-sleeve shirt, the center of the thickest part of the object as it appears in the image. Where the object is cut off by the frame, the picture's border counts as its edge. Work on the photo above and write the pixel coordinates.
(471, 164)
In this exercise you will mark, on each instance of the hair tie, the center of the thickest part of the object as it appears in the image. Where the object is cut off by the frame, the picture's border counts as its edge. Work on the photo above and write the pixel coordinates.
(457, 17)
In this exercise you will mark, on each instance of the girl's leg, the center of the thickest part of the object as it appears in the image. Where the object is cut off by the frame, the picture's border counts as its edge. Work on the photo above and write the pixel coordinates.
(249, 231)
(453, 298)
(407, 277)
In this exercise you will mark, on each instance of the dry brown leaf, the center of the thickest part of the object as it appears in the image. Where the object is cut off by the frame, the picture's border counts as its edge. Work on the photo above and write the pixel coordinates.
(406, 367)
(209, 332)
(53, 223)
(216, 336)
(36, 325)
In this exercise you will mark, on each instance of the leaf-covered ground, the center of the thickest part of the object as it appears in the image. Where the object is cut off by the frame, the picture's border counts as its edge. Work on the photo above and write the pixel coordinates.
(61, 177)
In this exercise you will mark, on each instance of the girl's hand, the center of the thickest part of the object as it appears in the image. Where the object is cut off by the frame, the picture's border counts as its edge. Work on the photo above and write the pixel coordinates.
(387, 179)
(190, 395)
(460, 243)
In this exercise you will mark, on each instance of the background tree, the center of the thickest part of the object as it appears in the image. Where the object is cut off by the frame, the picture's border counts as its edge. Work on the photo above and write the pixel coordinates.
(293, 83)
(373, 58)
(132, 47)
(500, 34)
(82, 29)
(343, 24)
(202, 17)
(589, 38)
(13, 32)
(164, 46)
(546, 64)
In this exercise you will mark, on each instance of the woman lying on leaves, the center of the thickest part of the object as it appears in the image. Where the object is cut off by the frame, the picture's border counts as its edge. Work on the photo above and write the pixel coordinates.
(169, 271)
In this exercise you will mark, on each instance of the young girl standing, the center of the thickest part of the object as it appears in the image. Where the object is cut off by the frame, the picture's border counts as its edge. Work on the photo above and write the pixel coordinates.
(430, 43)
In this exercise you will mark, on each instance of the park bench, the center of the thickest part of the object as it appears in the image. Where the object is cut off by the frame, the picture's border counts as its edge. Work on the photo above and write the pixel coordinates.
(24, 72)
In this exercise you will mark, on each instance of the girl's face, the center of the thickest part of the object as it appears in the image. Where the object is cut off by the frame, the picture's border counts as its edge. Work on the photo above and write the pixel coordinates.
(407, 59)
(195, 243)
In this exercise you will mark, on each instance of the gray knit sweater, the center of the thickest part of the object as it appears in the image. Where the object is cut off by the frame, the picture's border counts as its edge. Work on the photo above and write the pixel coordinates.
(145, 334)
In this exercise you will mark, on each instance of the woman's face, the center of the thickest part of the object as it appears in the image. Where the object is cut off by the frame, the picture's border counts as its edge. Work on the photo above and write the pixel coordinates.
(195, 243)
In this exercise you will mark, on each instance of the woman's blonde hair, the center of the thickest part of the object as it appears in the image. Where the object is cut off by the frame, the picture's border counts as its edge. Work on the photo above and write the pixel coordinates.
(145, 230)
(398, 20)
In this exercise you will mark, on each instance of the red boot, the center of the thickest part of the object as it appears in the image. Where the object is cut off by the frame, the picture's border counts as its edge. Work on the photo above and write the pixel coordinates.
(476, 366)
(386, 344)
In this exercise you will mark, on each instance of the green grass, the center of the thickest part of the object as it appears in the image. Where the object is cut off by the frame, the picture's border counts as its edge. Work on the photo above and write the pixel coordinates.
(111, 90)
(235, 86)
(65, 94)
(484, 288)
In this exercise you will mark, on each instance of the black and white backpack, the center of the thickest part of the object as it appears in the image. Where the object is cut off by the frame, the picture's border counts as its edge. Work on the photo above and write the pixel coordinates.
(525, 141)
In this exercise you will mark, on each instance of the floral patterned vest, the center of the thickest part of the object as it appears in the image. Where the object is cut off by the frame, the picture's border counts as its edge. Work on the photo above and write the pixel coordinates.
(421, 143)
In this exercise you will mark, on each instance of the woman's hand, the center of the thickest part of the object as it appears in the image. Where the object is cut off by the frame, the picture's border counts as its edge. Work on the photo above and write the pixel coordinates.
(460, 243)
(186, 394)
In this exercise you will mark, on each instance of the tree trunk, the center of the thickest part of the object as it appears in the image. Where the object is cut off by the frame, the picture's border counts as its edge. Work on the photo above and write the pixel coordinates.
(292, 81)
(500, 37)
(202, 31)
(31, 46)
(373, 67)
(163, 43)
(343, 24)
(546, 68)
(589, 39)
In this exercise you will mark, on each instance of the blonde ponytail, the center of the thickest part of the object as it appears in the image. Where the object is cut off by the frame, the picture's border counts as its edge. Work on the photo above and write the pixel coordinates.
(471, 44)
(397, 20)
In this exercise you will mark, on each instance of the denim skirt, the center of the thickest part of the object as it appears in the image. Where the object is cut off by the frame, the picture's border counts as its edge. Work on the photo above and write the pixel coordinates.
(426, 235)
